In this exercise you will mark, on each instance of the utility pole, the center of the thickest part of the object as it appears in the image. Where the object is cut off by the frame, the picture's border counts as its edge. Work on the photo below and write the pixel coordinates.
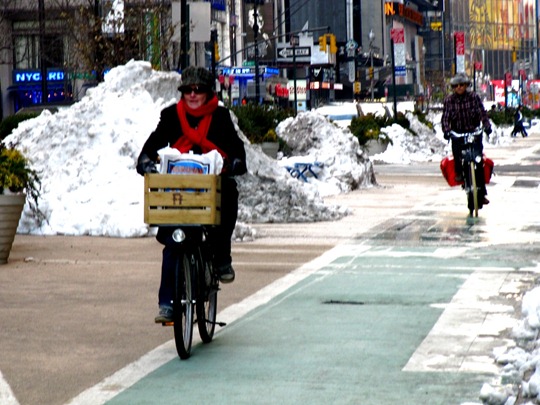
(184, 34)
(394, 76)
(98, 43)
(215, 48)
(43, 67)
(371, 74)
(255, 37)
(295, 40)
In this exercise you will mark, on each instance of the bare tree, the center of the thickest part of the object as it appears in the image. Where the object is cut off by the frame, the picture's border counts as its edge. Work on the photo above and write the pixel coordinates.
(110, 33)
(7, 9)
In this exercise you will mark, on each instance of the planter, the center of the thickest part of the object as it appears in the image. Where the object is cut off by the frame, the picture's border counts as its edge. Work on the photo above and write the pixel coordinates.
(375, 147)
(11, 207)
(270, 149)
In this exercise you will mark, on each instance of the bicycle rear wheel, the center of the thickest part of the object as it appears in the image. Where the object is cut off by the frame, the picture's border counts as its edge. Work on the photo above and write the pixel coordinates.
(207, 302)
(183, 306)
(473, 192)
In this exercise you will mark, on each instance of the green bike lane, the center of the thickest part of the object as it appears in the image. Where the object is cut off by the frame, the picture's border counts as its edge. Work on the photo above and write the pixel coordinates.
(354, 327)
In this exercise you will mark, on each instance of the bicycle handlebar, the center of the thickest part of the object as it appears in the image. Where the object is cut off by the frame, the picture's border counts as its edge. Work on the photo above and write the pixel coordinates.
(477, 131)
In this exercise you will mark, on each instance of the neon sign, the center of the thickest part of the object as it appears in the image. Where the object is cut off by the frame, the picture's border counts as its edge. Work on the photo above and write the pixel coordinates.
(401, 10)
(33, 76)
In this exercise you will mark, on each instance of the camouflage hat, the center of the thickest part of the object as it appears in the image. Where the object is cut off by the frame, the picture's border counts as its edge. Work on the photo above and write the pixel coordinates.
(194, 75)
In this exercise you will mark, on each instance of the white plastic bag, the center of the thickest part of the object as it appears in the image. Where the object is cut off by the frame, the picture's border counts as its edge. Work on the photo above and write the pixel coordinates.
(174, 162)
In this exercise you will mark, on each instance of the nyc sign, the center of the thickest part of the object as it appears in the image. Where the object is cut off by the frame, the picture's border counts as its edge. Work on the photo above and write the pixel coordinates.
(33, 76)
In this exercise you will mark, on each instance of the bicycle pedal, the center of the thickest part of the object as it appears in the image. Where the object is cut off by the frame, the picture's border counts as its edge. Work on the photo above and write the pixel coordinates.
(167, 323)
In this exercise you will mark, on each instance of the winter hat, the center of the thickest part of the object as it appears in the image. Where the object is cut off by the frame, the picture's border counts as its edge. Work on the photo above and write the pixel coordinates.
(194, 75)
(460, 78)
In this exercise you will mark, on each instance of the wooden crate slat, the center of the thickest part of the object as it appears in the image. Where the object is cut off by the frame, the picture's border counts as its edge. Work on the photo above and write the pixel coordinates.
(182, 199)
(184, 216)
(197, 181)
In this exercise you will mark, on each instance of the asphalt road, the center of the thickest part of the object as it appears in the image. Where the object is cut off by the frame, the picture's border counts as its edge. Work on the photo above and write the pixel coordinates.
(75, 310)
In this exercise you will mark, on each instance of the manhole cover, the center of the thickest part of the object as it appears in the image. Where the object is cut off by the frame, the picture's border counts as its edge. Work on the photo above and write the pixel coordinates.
(526, 183)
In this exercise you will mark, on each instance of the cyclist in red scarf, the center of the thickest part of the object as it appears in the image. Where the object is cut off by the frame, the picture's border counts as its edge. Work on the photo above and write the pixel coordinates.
(197, 123)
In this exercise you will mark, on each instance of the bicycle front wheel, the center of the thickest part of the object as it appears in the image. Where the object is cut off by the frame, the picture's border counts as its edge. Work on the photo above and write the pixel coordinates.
(207, 302)
(183, 305)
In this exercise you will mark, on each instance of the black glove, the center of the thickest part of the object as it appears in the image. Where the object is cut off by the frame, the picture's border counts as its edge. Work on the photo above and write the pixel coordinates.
(447, 136)
(487, 131)
(237, 168)
(145, 165)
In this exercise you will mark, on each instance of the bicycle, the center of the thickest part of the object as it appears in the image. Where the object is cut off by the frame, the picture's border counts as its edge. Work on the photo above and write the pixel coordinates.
(191, 204)
(472, 168)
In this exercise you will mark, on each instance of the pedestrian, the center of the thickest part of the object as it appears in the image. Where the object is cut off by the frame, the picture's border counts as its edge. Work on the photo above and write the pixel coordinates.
(196, 123)
(463, 112)
(518, 123)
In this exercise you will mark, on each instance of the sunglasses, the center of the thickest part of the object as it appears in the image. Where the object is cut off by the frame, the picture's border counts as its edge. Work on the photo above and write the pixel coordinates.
(460, 85)
(193, 89)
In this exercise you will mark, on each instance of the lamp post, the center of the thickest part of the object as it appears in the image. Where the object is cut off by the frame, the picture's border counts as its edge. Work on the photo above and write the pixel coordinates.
(371, 37)
(41, 14)
(255, 39)
(423, 77)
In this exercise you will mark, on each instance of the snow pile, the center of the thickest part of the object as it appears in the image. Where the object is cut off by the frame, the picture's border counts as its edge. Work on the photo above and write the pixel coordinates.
(86, 158)
(406, 147)
(342, 164)
(86, 154)
(268, 193)
(520, 373)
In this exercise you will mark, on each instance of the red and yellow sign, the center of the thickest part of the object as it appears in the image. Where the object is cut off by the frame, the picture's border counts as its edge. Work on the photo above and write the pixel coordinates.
(403, 11)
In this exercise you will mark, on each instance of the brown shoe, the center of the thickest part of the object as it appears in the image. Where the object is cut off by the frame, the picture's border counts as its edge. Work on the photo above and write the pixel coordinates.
(165, 315)
(485, 201)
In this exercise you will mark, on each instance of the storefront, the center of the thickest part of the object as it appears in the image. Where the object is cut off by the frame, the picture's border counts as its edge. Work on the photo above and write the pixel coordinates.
(26, 90)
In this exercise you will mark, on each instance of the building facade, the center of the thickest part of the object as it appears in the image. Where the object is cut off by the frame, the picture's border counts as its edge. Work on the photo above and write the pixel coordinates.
(49, 39)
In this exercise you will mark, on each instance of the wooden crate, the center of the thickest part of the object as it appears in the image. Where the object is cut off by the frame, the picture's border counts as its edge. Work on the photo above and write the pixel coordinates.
(174, 199)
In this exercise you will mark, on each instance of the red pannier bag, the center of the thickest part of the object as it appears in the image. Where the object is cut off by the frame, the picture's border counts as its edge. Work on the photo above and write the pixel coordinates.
(448, 170)
(488, 169)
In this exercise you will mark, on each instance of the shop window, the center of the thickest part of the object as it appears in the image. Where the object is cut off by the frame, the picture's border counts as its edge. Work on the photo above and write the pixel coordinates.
(26, 46)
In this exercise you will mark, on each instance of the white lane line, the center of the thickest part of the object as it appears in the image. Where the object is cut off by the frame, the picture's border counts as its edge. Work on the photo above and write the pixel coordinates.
(6, 394)
(132, 373)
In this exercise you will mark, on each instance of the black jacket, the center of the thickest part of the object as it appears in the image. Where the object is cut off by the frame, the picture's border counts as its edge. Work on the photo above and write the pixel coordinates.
(221, 133)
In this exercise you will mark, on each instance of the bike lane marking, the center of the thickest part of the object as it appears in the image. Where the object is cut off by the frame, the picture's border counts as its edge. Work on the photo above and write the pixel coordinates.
(128, 376)
(359, 319)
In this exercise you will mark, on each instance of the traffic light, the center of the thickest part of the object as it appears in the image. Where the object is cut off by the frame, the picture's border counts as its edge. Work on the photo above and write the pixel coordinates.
(322, 43)
(215, 45)
(370, 75)
(333, 46)
(216, 51)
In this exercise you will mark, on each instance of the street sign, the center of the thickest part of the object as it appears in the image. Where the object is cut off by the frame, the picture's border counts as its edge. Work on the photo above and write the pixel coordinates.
(302, 53)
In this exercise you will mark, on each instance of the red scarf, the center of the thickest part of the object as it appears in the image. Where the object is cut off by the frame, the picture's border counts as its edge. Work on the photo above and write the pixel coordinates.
(196, 136)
